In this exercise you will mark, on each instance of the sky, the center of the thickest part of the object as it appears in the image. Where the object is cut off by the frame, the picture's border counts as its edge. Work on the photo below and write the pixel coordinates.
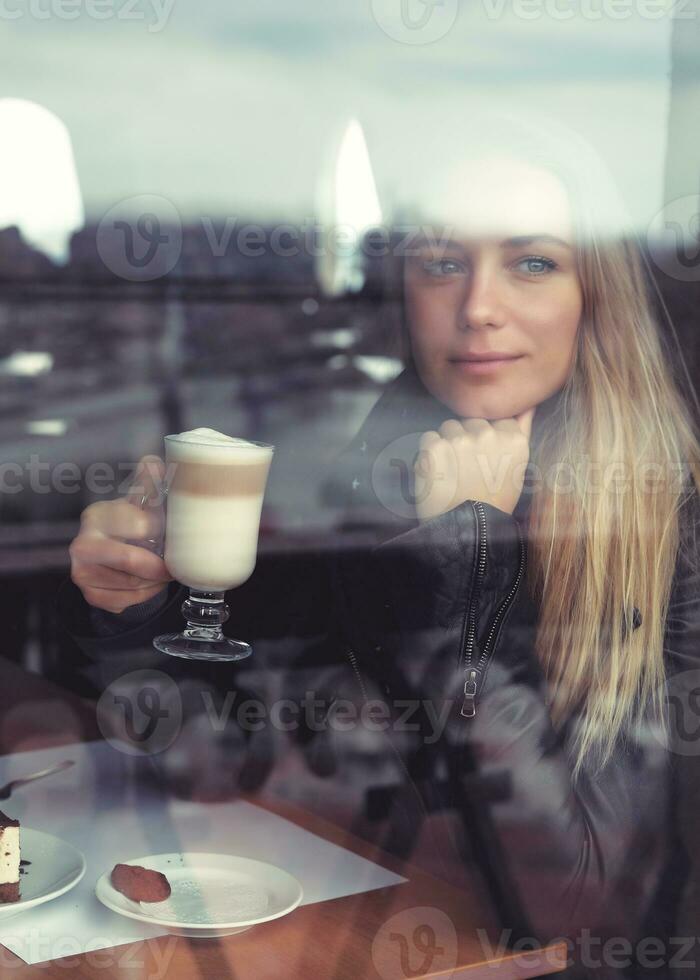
(229, 108)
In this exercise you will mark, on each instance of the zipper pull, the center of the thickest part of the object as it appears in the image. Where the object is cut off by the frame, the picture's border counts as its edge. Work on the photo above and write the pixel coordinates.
(469, 703)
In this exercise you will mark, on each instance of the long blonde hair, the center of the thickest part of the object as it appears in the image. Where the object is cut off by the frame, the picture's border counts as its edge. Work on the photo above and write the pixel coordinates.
(601, 559)
(602, 556)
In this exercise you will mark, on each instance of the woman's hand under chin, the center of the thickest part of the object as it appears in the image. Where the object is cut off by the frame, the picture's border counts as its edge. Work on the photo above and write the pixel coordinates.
(472, 459)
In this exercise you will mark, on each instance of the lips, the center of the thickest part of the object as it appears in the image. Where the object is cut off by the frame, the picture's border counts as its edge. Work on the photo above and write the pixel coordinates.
(485, 364)
(487, 356)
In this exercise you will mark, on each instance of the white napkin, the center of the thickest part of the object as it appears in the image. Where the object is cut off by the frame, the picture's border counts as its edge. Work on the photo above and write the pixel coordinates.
(110, 807)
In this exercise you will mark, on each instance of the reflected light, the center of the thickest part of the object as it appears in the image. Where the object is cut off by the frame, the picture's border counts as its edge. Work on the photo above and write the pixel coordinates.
(356, 199)
(379, 369)
(348, 207)
(342, 337)
(27, 364)
(47, 427)
(39, 188)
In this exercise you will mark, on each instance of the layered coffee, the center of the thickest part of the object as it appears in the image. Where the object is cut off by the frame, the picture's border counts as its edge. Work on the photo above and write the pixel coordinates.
(216, 485)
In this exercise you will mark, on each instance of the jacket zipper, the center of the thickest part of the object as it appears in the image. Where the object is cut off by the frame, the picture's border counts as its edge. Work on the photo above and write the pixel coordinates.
(469, 638)
(353, 661)
(475, 673)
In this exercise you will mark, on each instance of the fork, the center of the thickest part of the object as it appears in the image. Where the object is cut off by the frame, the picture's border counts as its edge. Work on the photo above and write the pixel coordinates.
(8, 789)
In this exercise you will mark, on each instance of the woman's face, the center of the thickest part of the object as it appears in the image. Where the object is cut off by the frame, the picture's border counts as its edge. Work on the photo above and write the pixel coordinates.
(504, 283)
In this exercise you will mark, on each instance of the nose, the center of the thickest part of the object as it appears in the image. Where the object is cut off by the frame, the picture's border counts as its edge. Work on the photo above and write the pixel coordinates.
(483, 300)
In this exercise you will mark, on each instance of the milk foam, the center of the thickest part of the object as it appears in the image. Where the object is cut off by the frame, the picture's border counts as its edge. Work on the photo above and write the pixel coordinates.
(210, 437)
(209, 446)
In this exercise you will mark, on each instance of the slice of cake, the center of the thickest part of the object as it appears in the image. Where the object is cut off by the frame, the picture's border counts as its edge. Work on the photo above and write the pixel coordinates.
(9, 859)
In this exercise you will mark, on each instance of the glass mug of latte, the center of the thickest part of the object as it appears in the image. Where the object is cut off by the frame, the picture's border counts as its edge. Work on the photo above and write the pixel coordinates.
(214, 495)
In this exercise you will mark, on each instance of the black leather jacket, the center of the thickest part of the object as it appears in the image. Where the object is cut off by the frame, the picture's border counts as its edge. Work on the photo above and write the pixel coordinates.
(430, 624)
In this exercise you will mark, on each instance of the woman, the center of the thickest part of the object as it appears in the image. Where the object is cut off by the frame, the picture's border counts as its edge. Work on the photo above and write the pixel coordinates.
(536, 583)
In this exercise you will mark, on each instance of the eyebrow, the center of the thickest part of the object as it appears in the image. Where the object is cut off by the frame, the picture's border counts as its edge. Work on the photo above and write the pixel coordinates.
(521, 240)
(518, 241)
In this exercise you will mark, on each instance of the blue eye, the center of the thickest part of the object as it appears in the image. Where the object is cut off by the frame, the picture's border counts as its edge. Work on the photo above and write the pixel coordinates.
(537, 265)
(443, 267)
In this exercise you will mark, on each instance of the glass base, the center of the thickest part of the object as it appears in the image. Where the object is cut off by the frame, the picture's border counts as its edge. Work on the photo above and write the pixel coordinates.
(205, 612)
(191, 648)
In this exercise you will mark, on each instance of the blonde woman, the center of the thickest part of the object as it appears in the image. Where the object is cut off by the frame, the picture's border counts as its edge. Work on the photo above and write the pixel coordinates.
(552, 584)
(534, 586)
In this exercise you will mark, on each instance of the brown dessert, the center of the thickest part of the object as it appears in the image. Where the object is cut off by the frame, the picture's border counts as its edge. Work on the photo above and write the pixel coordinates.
(140, 884)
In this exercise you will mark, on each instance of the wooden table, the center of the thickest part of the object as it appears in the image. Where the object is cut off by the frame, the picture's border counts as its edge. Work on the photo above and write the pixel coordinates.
(422, 928)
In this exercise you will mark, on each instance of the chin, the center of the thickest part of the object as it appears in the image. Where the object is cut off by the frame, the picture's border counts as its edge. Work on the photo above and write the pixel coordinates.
(491, 402)
(491, 408)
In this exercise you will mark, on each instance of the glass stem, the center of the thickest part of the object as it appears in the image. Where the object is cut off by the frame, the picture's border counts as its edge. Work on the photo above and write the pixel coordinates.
(206, 613)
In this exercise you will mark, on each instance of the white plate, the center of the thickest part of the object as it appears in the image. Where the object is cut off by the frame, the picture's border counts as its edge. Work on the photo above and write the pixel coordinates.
(56, 867)
(212, 894)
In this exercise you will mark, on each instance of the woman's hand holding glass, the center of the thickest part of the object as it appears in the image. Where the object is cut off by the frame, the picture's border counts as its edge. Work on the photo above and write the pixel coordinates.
(114, 559)
(472, 459)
